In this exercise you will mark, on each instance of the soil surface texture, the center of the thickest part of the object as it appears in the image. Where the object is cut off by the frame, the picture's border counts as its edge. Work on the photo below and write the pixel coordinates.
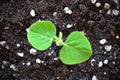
(99, 20)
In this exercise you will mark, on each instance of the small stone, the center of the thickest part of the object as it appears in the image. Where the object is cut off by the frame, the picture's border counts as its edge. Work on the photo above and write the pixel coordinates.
(23, 63)
(55, 13)
(102, 41)
(49, 54)
(93, 1)
(12, 66)
(106, 6)
(57, 77)
(67, 10)
(105, 61)
(38, 60)
(113, 62)
(109, 12)
(117, 37)
(6, 28)
(83, 32)
(115, 12)
(94, 77)
(2, 43)
(32, 13)
(98, 4)
(28, 63)
(18, 45)
(100, 64)
(71, 70)
(27, 30)
(93, 60)
(105, 52)
(55, 58)
(42, 61)
(108, 47)
(105, 73)
(33, 51)
(20, 54)
(69, 25)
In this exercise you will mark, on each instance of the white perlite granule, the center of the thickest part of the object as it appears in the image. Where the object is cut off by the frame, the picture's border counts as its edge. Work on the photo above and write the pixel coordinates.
(103, 41)
(98, 4)
(105, 61)
(94, 77)
(69, 25)
(32, 13)
(115, 12)
(2, 43)
(108, 47)
(93, 1)
(20, 54)
(28, 63)
(38, 60)
(106, 6)
(93, 60)
(33, 51)
(100, 64)
(67, 10)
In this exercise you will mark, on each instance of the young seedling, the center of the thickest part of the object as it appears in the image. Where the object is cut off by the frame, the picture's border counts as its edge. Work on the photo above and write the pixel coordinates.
(76, 48)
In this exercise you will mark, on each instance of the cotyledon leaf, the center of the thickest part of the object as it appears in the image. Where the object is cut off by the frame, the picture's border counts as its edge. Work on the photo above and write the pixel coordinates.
(76, 49)
(41, 34)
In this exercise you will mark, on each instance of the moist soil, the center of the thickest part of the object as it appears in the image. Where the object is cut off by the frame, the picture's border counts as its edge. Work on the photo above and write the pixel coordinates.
(96, 22)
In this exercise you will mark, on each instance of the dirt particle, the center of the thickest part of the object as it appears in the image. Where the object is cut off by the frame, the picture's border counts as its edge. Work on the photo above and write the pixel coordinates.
(117, 37)
(12, 66)
(28, 63)
(55, 13)
(18, 45)
(2, 43)
(109, 12)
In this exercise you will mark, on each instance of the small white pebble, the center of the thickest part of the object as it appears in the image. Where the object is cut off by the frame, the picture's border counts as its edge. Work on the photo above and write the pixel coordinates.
(32, 13)
(20, 54)
(49, 54)
(109, 12)
(12, 66)
(33, 51)
(94, 77)
(6, 27)
(71, 70)
(55, 58)
(28, 63)
(83, 32)
(93, 1)
(105, 52)
(23, 63)
(38, 60)
(93, 60)
(113, 62)
(115, 12)
(108, 47)
(69, 25)
(55, 13)
(117, 37)
(98, 4)
(105, 61)
(67, 10)
(2, 43)
(103, 41)
(42, 61)
(18, 45)
(57, 77)
(27, 30)
(100, 64)
(105, 73)
(106, 6)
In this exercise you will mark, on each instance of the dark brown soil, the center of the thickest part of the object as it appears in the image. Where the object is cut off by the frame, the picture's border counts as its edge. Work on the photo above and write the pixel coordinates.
(15, 18)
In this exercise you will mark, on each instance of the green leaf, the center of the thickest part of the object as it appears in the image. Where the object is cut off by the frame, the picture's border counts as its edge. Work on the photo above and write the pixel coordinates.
(41, 34)
(76, 49)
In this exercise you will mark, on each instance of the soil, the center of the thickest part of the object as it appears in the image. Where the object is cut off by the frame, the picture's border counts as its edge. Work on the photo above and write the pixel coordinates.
(96, 22)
